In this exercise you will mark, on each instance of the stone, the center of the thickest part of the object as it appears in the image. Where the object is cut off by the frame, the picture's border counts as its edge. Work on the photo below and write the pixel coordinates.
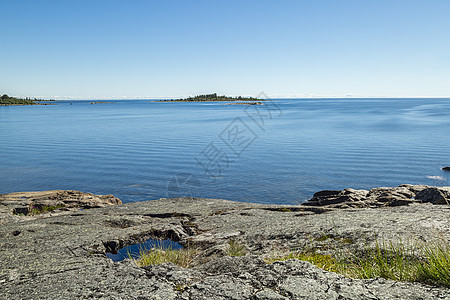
(268, 294)
(405, 194)
(434, 195)
(329, 197)
(391, 196)
(62, 255)
(22, 204)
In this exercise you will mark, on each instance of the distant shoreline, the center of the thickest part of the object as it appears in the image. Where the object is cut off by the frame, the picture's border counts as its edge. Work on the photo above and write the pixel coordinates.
(6, 100)
(212, 98)
(20, 104)
(240, 101)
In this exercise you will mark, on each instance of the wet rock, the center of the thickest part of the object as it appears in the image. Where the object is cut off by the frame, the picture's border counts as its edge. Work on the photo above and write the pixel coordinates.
(446, 168)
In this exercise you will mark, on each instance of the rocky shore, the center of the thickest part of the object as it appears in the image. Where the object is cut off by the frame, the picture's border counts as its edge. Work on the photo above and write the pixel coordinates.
(53, 244)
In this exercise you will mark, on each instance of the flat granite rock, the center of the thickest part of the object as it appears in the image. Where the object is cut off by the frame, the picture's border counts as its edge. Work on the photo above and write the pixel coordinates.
(62, 255)
(20, 206)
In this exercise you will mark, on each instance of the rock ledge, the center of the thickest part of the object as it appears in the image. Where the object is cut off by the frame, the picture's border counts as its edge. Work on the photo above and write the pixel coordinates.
(62, 255)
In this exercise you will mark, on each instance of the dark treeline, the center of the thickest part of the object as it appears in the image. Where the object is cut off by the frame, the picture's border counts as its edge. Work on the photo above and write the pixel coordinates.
(215, 97)
(8, 100)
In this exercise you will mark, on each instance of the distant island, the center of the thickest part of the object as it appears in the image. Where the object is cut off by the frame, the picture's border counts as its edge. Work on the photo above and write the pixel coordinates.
(6, 100)
(212, 98)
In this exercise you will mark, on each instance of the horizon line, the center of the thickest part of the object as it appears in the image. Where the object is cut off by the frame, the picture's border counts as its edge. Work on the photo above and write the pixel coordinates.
(77, 98)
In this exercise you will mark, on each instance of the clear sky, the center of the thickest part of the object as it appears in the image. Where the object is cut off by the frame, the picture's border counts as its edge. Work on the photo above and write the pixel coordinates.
(114, 49)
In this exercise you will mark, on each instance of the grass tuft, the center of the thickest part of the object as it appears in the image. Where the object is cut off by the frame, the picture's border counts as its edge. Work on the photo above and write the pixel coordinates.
(386, 260)
(156, 256)
(323, 261)
(426, 263)
(324, 237)
(285, 209)
(41, 209)
(435, 269)
(235, 248)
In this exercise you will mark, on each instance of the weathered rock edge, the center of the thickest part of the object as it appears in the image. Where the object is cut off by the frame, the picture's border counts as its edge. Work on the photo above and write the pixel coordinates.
(384, 196)
(18, 206)
(61, 255)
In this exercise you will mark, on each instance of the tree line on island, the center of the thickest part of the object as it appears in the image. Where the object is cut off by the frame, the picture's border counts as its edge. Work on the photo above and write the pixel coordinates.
(213, 97)
(8, 100)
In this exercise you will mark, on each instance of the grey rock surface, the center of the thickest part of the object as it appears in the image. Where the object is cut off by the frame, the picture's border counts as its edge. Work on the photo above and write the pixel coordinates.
(62, 255)
(18, 206)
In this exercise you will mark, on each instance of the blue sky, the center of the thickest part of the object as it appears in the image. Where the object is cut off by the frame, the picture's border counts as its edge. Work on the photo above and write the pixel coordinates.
(115, 49)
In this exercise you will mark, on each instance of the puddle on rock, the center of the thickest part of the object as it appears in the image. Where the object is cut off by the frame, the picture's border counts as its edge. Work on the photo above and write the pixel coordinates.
(134, 251)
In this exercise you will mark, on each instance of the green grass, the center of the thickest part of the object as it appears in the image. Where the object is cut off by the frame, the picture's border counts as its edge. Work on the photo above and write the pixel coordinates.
(436, 267)
(156, 256)
(41, 209)
(386, 260)
(324, 237)
(182, 257)
(234, 248)
(426, 263)
(285, 209)
(323, 261)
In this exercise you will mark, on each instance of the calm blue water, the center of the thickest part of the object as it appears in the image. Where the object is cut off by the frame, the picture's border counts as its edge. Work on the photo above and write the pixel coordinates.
(140, 150)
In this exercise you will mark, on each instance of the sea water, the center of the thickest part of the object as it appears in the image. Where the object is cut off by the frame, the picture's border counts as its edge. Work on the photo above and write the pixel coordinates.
(281, 152)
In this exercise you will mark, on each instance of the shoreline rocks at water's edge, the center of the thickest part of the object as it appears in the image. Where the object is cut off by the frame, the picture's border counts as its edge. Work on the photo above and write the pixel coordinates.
(61, 254)
(24, 205)
(404, 194)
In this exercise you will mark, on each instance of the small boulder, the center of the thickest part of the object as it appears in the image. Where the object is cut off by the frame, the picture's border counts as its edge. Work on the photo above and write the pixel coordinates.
(434, 195)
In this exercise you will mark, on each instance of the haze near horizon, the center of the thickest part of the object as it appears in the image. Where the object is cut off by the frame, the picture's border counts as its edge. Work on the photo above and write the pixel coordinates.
(161, 49)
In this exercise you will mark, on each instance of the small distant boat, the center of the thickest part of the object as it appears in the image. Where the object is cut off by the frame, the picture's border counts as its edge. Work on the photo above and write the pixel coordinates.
(446, 168)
